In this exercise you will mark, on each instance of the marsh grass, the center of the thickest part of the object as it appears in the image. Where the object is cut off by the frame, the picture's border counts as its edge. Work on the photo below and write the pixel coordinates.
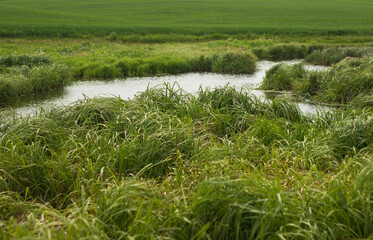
(93, 58)
(340, 84)
(354, 132)
(234, 63)
(228, 62)
(279, 52)
(332, 56)
(348, 79)
(168, 164)
(283, 77)
(24, 60)
(19, 81)
(363, 100)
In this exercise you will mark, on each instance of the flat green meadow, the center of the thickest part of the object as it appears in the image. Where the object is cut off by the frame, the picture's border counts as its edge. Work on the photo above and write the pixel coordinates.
(72, 18)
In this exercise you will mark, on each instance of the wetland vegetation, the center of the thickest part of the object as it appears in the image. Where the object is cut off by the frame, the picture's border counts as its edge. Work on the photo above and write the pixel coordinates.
(168, 164)
(340, 84)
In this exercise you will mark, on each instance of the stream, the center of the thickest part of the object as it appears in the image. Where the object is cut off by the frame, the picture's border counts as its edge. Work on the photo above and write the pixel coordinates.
(127, 88)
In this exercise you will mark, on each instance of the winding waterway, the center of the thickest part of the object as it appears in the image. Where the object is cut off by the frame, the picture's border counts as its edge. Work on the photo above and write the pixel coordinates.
(127, 88)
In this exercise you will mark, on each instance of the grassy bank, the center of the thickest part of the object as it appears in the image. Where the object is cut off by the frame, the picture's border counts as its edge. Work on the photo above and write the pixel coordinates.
(99, 58)
(24, 75)
(228, 62)
(219, 165)
(183, 19)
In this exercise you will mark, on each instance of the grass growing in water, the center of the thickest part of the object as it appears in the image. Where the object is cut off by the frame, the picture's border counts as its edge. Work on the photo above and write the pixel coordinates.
(99, 58)
(23, 78)
(23, 75)
(168, 164)
(283, 77)
(234, 63)
(340, 84)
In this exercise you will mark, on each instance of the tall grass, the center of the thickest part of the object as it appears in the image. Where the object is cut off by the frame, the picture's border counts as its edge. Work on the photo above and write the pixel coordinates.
(363, 100)
(340, 84)
(347, 80)
(228, 62)
(332, 56)
(353, 133)
(24, 60)
(168, 164)
(19, 81)
(283, 77)
(234, 63)
(278, 52)
(100, 58)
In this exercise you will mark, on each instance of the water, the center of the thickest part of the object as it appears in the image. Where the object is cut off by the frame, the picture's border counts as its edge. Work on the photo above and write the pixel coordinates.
(128, 88)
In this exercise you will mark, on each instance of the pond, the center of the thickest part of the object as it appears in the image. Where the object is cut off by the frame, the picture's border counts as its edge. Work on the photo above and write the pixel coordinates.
(129, 87)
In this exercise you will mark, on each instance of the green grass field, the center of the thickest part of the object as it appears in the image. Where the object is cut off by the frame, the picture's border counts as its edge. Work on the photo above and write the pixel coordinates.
(97, 17)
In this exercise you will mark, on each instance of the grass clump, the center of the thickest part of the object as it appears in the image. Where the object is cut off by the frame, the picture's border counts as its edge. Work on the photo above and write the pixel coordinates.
(353, 133)
(347, 80)
(20, 81)
(283, 77)
(362, 101)
(339, 84)
(236, 63)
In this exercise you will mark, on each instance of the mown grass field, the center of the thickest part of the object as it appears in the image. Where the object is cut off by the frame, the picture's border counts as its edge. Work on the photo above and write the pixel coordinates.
(72, 18)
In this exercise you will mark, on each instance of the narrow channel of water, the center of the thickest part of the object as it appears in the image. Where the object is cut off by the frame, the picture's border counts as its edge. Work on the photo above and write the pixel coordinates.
(127, 88)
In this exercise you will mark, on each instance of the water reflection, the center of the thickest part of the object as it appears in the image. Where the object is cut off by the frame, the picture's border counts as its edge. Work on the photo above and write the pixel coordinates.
(36, 99)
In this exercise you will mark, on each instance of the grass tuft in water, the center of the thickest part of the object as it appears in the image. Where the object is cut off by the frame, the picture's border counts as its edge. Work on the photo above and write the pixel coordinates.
(283, 77)
(27, 75)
